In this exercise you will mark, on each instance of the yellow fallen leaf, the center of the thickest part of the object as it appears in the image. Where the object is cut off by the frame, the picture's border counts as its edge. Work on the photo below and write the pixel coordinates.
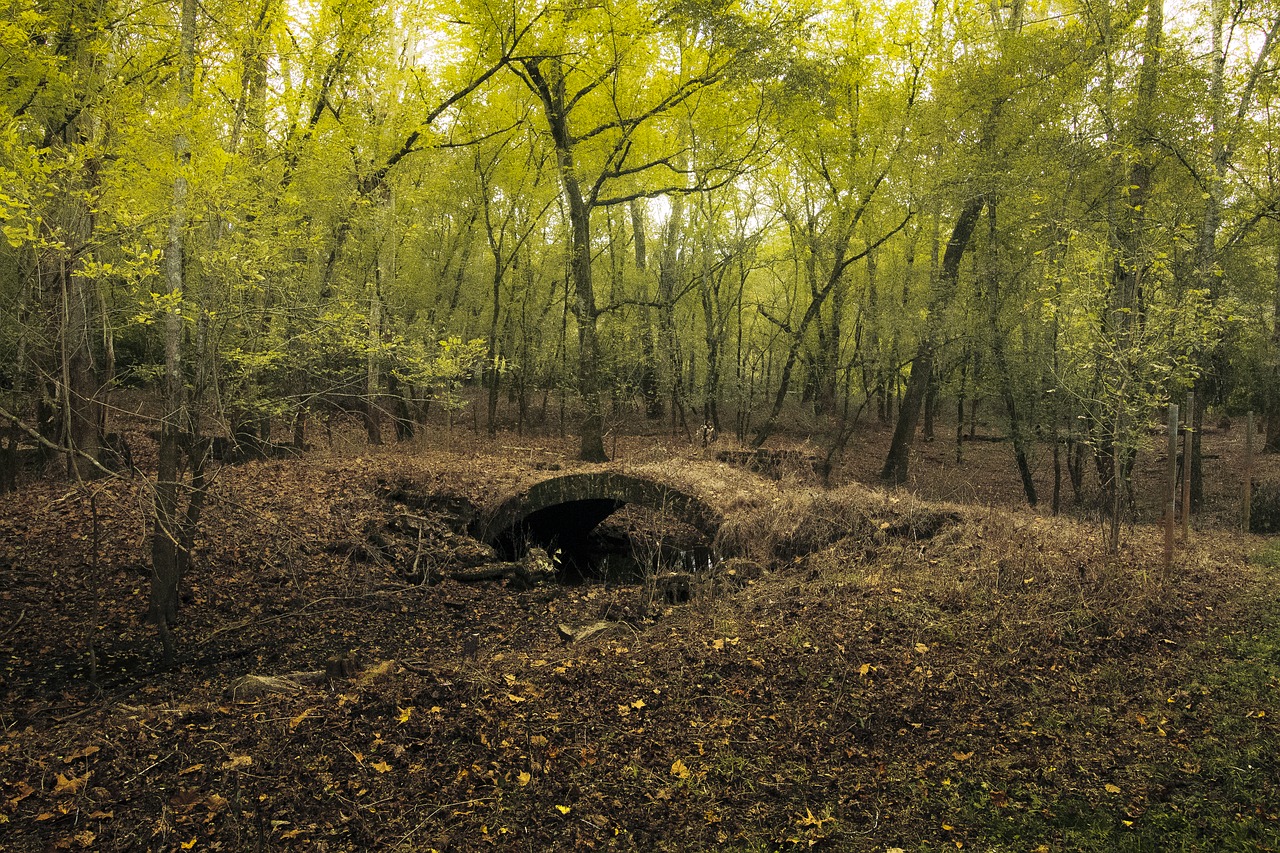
(381, 766)
(524, 778)
(718, 645)
(237, 761)
(514, 698)
(638, 704)
(948, 827)
(864, 669)
(679, 770)
(564, 809)
(194, 768)
(187, 845)
(63, 785)
(101, 815)
(405, 714)
(921, 648)
(962, 756)
(296, 721)
(1112, 789)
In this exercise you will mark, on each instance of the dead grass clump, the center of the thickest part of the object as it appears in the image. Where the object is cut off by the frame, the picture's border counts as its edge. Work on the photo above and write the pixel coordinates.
(795, 523)
(1031, 583)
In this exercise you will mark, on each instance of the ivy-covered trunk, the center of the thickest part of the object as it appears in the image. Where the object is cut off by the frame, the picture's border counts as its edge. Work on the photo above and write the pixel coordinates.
(173, 531)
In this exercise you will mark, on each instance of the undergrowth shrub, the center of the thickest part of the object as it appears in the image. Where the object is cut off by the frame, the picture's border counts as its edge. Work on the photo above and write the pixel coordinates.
(1264, 508)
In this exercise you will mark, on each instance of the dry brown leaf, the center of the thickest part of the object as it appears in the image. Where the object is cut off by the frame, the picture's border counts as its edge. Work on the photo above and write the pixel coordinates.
(63, 785)
(81, 753)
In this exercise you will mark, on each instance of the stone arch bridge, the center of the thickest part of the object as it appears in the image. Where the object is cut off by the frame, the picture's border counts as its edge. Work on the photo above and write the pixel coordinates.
(565, 509)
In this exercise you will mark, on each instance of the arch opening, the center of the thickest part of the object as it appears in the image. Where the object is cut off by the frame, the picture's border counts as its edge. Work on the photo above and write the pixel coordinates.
(606, 527)
(608, 540)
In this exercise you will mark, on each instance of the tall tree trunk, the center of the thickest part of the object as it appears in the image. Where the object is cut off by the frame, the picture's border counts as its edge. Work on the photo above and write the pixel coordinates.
(650, 386)
(83, 386)
(672, 368)
(897, 462)
(550, 89)
(372, 370)
(493, 375)
(1126, 299)
(591, 431)
(168, 541)
(714, 327)
(1272, 444)
(1004, 376)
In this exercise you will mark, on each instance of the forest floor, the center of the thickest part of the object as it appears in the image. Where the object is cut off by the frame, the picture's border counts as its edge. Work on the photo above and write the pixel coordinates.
(979, 676)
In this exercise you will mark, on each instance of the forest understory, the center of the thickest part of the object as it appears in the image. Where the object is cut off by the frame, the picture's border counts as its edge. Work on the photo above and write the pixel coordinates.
(932, 668)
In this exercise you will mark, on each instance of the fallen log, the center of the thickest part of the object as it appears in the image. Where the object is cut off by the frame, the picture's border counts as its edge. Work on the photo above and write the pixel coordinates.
(536, 567)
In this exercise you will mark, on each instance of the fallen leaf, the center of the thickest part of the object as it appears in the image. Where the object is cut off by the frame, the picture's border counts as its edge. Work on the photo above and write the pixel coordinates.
(381, 766)
(921, 648)
(63, 785)
(81, 753)
(405, 714)
(1112, 789)
(564, 809)
(24, 791)
(194, 768)
(187, 845)
(864, 669)
(638, 704)
(86, 838)
(962, 756)
(524, 778)
(237, 761)
(100, 815)
(296, 721)
(679, 770)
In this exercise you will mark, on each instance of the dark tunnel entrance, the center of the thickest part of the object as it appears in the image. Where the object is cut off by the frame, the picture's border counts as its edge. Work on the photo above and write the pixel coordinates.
(605, 539)
(604, 526)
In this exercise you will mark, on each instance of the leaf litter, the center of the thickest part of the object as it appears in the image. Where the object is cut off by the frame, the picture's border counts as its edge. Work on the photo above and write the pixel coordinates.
(851, 690)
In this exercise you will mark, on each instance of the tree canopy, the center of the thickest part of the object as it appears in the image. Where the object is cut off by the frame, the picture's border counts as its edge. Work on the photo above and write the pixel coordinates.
(698, 210)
